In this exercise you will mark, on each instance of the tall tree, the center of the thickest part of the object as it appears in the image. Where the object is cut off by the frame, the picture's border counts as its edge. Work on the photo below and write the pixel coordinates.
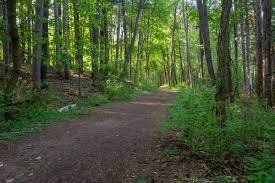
(65, 19)
(118, 36)
(259, 57)
(6, 42)
(45, 44)
(57, 36)
(247, 47)
(78, 42)
(204, 28)
(173, 50)
(267, 37)
(15, 48)
(133, 39)
(186, 29)
(37, 48)
(223, 64)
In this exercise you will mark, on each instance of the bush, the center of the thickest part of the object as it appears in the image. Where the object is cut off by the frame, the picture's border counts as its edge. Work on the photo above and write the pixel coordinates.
(247, 132)
(120, 90)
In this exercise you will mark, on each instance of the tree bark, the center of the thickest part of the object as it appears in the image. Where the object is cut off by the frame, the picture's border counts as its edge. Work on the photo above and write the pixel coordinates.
(57, 37)
(6, 42)
(259, 57)
(247, 45)
(95, 40)
(267, 37)
(173, 51)
(223, 64)
(203, 17)
(37, 48)
(186, 29)
(15, 49)
(118, 37)
(78, 43)
(66, 45)
(45, 44)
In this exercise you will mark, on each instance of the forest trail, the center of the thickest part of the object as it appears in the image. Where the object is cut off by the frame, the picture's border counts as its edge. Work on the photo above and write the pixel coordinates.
(113, 144)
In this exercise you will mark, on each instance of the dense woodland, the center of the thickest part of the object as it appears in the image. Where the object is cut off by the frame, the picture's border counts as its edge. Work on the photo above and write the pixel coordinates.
(226, 45)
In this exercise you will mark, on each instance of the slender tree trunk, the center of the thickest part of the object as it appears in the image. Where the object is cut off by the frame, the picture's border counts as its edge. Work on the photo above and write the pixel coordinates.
(267, 15)
(37, 49)
(118, 37)
(247, 45)
(181, 64)
(173, 52)
(15, 49)
(45, 44)
(57, 37)
(259, 56)
(29, 30)
(131, 47)
(223, 64)
(273, 67)
(202, 7)
(139, 57)
(124, 32)
(186, 28)
(95, 39)
(6, 42)
(245, 80)
(201, 56)
(236, 57)
(78, 43)
(66, 45)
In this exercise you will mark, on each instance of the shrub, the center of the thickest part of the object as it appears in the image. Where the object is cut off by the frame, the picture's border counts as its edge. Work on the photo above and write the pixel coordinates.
(247, 133)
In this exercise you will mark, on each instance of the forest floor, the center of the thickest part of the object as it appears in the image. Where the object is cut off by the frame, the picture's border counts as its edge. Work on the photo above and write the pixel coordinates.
(116, 143)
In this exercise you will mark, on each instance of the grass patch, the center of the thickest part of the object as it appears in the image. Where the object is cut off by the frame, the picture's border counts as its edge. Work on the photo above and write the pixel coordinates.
(244, 144)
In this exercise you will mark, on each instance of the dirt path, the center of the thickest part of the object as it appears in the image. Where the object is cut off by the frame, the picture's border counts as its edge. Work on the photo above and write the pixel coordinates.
(114, 144)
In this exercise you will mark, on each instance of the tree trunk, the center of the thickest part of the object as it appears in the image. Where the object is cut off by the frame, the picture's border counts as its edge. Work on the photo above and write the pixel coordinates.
(66, 45)
(247, 45)
(57, 37)
(139, 57)
(202, 7)
(201, 56)
(273, 68)
(223, 64)
(259, 57)
(118, 37)
(95, 40)
(236, 57)
(245, 80)
(29, 30)
(45, 44)
(186, 28)
(133, 39)
(124, 32)
(6, 42)
(267, 37)
(15, 49)
(37, 48)
(173, 52)
(78, 43)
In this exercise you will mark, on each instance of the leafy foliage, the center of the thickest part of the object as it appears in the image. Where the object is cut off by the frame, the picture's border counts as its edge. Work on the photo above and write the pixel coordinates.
(246, 139)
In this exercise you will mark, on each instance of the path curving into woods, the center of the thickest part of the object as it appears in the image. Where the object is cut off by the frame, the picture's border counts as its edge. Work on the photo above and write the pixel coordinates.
(114, 144)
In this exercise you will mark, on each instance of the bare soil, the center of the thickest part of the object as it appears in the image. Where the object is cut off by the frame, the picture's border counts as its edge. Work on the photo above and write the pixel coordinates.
(116, 143)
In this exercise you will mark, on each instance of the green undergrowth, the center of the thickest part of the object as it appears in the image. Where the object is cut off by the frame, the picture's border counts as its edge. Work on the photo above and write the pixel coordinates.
(40, 109)
(243, 146)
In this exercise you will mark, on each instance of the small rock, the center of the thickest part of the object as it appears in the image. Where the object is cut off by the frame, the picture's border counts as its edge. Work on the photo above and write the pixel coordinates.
(10, 180)
(38, 158)
(30, 174)
(1, 164)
